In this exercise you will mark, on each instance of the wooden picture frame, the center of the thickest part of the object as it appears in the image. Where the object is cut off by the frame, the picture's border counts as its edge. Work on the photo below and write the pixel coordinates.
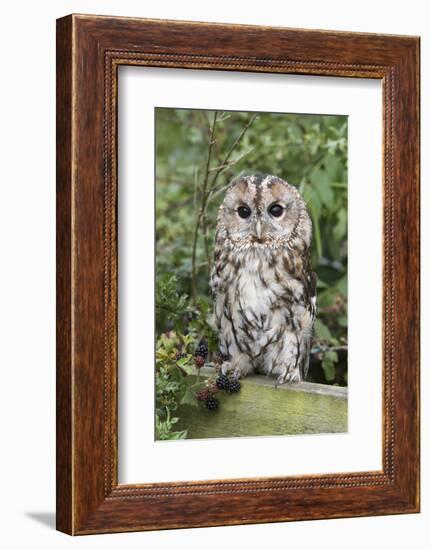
(89, 51)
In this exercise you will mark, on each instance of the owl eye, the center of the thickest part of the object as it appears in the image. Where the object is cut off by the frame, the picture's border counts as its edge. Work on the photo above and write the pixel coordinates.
(276, 210)
(244, 212)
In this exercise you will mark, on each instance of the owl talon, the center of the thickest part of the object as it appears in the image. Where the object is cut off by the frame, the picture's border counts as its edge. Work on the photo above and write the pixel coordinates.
(288, 377)
(294, 376)
(236, 374)
(280, 380)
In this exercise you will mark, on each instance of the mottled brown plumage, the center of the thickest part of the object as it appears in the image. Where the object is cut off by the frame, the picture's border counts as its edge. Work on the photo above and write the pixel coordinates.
(263, 284)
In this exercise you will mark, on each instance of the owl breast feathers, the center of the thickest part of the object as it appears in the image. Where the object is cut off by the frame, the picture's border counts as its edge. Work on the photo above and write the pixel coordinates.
(263, 284)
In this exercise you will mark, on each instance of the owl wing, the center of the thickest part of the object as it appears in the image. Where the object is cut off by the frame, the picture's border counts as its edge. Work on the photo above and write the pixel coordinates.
(303, 273)
(309, 280)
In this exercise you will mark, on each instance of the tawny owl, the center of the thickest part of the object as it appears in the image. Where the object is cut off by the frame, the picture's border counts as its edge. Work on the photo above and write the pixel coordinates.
(263, 284)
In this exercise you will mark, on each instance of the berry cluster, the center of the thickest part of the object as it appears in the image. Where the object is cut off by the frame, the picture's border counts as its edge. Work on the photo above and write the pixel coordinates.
(180, 355)
(230, 385)
(204, 395)
(201, 354)
(207, 396)
(202, 350)
(222, 382)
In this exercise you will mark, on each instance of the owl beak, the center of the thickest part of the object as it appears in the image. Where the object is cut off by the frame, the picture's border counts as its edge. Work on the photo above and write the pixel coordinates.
(258, 229)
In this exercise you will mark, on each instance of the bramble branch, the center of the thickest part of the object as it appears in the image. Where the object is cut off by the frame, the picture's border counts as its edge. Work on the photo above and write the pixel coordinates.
(201, 213)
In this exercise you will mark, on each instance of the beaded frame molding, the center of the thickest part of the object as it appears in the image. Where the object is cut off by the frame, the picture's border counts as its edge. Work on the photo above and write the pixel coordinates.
(89, 51)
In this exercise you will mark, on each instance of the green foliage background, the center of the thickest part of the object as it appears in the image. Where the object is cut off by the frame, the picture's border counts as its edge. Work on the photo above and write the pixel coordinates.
(197, 154)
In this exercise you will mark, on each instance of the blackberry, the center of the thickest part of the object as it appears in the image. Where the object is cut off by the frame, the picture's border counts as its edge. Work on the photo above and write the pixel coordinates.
(212, 403)
(220, 358)
(202, 350)
(233, 386)
(180, 355)
(203, 395)
(222, 382)
(199, 361)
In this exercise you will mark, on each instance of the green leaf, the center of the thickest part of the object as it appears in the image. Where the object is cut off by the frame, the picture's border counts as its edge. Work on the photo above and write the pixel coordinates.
(328, 368)
(342, 285)
(332, 356)
(178, 435)
(332, 166)
(321, 330)
(312, 198)
(342, 320)
(321, 284)
(327, 298)
(321, 183)
(295, 132)
(187, 369)
(176, 375)
(340, 229)
(162, 355)
(189, 398)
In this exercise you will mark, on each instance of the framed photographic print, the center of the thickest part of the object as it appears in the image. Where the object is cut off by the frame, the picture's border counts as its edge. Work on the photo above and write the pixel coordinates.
(237, 274)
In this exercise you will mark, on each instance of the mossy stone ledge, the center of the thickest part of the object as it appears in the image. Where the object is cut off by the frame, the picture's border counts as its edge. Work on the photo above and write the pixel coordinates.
(260, 409)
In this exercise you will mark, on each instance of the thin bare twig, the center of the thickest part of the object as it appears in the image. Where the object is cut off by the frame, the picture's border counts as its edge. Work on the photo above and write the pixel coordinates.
(218, 192)
(232, 149)
(201, 213)
(208, 190)
(218, 170)
(195, 190)
(206, 240)
(324, 349)
(230, 163)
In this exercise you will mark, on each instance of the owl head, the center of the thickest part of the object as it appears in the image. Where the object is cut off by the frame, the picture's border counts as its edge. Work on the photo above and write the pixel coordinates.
(263, 211)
